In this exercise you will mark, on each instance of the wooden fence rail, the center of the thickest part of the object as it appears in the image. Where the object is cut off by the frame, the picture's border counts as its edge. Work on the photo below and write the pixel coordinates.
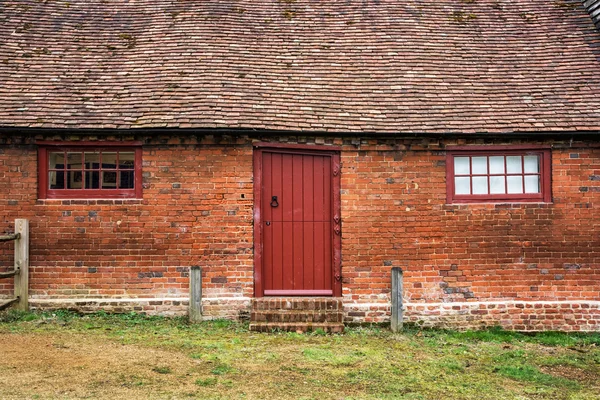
(20, 271)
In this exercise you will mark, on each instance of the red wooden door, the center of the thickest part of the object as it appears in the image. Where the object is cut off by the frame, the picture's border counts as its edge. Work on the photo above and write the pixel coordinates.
(298, 224)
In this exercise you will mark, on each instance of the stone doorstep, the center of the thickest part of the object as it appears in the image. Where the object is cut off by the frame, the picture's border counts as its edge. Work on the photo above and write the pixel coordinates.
(296, 327)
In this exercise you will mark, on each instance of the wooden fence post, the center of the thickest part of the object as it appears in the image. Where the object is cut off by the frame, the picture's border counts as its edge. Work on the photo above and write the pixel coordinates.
(397, 289)
(22, 264)
(195, 312)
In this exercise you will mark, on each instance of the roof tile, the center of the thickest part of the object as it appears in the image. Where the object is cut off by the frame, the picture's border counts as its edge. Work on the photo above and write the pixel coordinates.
(357, 66)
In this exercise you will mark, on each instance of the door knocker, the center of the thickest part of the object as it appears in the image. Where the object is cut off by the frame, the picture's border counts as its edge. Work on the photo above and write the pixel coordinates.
(274, 202)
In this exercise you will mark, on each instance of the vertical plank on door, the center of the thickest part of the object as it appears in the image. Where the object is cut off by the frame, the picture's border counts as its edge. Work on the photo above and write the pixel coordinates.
(267, 238)
(308, 217)
(297, 218)
(328, 229)
(318, 186)
(276, 218)
(327, 255)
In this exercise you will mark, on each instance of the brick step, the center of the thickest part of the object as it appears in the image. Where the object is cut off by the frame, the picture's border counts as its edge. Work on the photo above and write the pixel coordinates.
(297, 303)
(292, 316)
(296, 327)
(297, 314)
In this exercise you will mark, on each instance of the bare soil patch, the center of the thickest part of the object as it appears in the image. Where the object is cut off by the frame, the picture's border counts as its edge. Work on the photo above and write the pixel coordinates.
(76, 366)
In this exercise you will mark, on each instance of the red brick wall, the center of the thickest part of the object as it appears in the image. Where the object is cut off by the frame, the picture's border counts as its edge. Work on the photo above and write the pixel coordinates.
(396, 192)
(197, 210)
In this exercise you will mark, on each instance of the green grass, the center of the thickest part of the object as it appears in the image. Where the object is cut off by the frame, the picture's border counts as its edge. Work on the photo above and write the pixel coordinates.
(363, 363)
(528, 373)
(162, 370)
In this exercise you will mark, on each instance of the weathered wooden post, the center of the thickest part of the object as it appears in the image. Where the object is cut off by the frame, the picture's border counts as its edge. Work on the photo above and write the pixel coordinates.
(397, 289)
(22, 264)
(195, 312)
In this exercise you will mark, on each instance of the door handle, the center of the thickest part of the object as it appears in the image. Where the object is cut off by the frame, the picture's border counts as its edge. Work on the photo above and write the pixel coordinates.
(274, 202)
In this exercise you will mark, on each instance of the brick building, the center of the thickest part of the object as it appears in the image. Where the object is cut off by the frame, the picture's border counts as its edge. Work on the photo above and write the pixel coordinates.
(297, 151)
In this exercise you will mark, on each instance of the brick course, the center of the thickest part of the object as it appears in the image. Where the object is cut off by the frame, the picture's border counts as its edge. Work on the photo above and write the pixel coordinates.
(197, 210)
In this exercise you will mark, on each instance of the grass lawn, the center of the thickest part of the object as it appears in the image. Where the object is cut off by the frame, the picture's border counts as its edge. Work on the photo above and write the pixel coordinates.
(62, 355)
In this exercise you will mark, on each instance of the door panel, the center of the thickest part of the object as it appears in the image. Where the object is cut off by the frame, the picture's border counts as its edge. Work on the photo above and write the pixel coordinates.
(297, 228)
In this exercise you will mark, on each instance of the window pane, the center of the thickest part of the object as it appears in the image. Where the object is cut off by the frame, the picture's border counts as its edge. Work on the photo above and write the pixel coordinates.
(497, 184)
(109, 179)
(56, 160)
(92, 160)
(126, 179)
(126, 160)
(515, 184)
(532, 184)
(513, 166)
(462, 185)
(532, 164)
(109, 160)
(480, 184)
(92, 180)
(497, 165)
(479, 166)
(56, 180)
(73, 160)
(74, 179)
(461, 166)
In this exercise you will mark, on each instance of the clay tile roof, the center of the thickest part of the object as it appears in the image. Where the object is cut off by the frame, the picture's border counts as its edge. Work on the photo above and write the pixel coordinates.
(384, 66)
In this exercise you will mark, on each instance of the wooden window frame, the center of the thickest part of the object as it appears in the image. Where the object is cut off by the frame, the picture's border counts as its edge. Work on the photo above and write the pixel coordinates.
(545, 174)
(44, 192)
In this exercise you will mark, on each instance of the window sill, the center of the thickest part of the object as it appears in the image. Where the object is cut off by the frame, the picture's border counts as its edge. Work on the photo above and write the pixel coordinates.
(500, 204)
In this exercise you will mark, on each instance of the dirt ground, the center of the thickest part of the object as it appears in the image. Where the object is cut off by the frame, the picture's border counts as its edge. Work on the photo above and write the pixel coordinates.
(67, 366)
(137, 357)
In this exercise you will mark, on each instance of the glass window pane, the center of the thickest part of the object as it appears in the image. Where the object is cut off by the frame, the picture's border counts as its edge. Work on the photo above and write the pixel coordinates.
(56, 180)
(513, 165)
(497, 184)
(126, 160)
(532, 164)
(480, 184)
(92, 180)
(74, 160)
(109, 179)
(515, 184)
(532, 184)
(109, 160)
(462, 185)
(126, 179)
(56, 160)
(92, 160)
(496, 165)
(461, 166)
(479, 166)
(74, 180)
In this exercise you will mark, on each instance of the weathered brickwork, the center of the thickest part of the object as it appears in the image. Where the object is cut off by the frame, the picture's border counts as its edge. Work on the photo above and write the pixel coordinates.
(197, 210)
(513, 315)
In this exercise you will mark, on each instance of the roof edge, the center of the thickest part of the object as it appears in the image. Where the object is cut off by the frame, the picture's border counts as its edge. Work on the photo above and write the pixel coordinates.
(27, 131)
